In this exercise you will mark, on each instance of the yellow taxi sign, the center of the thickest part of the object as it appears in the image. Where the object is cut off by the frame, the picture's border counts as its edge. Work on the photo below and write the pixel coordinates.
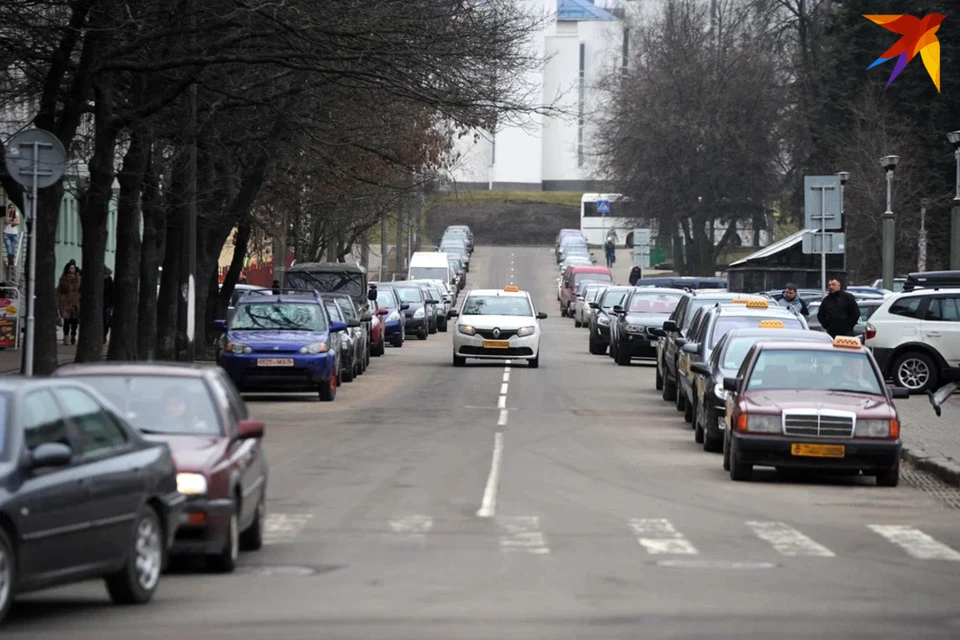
(740, 301)
(757, 304)
(847, 342)
(771, 324)
(512, 288)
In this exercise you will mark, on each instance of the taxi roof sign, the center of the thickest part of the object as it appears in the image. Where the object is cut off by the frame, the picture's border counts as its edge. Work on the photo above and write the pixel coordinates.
(740, 301)
(771, 324)
(757, 304)
(512, 288)
(847, 342)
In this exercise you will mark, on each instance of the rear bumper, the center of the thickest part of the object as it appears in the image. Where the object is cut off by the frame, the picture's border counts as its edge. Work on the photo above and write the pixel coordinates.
(774, 451)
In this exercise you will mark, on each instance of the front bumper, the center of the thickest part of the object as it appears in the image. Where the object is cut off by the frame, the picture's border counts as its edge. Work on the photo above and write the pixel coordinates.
(204, 526)
(416, 325)
(174, 504)
(524, 348)
(774, 451)
(638, 345)
(307, 372)
(393, 329)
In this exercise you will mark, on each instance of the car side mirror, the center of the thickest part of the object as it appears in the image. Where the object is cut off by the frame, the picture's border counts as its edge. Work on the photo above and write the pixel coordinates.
(730, 384)
(338, 326)
(691, 347)
(220, 324)
(701, 368)
(404, 306)
(617, 309)
(453, 313)
(372, 293)
(593, 305)
(382, 311)
(366, 317)
(670, 325)
(899, 393)
(353, 323)
(50, 454)
(249, 429)
(541, 315)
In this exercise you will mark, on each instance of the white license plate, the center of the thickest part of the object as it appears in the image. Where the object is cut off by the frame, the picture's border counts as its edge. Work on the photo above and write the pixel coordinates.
(722, 423)
(274, 362)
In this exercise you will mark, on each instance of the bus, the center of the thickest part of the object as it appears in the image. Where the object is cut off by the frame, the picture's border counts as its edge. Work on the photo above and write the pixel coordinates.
(596, 227)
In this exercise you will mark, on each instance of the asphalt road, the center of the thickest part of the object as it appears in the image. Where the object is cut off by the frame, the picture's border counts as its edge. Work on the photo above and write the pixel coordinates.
(603, 518)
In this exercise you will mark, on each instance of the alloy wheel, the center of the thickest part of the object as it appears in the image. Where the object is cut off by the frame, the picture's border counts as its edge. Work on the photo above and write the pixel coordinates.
(149, 554)
(913, 373)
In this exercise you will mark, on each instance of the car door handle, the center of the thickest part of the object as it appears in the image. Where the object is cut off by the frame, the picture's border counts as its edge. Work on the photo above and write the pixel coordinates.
(933, 334)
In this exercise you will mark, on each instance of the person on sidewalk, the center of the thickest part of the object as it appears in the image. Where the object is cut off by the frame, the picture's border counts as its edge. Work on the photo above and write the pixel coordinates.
(791, 300)
(610, 251)
(839, 312)
(635, 274)
(107, 300)
(68, 302)
(11, 233)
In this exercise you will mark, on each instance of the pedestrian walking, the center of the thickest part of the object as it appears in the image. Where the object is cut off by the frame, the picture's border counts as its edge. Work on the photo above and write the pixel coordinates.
(791, 300)
(635, 274)
(11, 233)
(107, 300)
(610, 251)
(276, 287)
(839, 312)
(68, 302)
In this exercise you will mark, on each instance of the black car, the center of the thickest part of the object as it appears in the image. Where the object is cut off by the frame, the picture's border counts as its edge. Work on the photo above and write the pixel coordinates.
(683, 282)
(417, 313)
(83, 494)
(639, 323)
(675, 330)
(710, 411)
(601, 320)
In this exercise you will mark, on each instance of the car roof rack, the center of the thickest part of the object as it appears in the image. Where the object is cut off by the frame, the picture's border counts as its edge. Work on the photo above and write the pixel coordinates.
(283, 292)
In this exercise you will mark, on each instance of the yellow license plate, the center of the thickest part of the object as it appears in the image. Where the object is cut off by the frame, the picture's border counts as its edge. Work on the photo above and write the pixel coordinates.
(496, 344)
(818, 450)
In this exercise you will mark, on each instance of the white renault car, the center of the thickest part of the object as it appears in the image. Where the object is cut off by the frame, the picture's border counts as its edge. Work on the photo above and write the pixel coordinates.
(497, 325)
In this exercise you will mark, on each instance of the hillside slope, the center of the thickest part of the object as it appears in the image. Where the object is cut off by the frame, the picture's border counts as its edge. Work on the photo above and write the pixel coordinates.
(503, 223)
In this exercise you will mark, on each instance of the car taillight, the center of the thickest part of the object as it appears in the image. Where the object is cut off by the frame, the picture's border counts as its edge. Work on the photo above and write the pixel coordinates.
(869, 332)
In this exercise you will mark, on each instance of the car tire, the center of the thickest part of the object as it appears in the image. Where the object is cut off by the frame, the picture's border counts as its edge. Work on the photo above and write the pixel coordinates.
(8, 573)
(328, 388)
(738, 471)
(680, 400)
(459, 361)
(534, 363)
(711, 445)
(690, 412)
(137, 580)
(379, 349)
(659, 382)
(347, 373)
(226, 560)
(596, 348)
(623, 358)
(890, 478)
(251, 539)
(669, 391)
(423, 334)
(916, 371)
(397, 343)
(433, 328)
(577, 323)
(442, 326)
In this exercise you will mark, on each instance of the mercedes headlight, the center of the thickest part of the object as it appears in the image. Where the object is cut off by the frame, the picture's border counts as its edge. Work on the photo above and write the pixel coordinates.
(236, 347)
(873, 429)
(191, 484)
(418, 313)
(719, 392)
(526, 331)
(763, 423)
(466, 330)
(604, 320)
(314, 349)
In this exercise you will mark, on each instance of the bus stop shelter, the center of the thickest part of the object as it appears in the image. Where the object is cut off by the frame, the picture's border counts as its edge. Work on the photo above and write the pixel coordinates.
(783, 261)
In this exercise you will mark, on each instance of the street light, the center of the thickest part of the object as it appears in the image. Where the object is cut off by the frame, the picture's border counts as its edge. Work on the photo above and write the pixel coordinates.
(889, 163)
(922, 240)
(954, 138)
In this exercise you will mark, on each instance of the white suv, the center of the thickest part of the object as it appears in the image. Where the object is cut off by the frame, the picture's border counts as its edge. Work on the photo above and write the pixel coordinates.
(915, 338)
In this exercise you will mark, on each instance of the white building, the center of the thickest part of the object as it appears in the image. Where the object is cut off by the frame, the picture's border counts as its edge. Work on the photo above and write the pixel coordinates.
(583, 44)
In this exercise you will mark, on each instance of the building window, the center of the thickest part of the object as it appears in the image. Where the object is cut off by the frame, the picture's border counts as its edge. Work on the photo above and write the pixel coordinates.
(582, 109)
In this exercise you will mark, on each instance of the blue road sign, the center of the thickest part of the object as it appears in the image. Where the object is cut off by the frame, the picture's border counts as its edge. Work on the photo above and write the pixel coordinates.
(603, 207)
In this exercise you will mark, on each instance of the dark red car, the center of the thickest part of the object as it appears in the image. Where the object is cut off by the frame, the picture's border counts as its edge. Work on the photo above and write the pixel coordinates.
(377, 333)
(221, 467)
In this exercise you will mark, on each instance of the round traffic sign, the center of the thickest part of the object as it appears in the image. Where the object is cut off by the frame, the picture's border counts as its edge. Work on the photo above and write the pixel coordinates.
(50, 155)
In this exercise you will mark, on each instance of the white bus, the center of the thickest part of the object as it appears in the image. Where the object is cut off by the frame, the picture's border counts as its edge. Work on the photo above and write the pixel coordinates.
(596, 227)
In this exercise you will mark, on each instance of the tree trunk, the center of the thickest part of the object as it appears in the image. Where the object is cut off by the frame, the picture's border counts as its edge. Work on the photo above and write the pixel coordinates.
(240, 242)
(124, 327)
(170, 298)
(153, 222)
(47, 275)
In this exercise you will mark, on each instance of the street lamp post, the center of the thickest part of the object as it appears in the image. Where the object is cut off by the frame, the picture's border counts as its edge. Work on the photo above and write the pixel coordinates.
(922, 240)
(844, 177)
(889, 163)
(954, 138)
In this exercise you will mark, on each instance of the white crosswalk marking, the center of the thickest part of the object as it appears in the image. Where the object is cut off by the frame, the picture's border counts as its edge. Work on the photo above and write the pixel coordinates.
(522, 534)
(915, 542)
(412, 528)
(283, 528)
(658, 536)
(787, 540)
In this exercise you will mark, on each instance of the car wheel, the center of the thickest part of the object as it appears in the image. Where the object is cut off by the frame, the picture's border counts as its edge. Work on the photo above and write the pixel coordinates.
(726, 454)
(596, 348)
(8, 573)
(690, 412)
(534, 363)
(380, 349)
(433, 329)
(423, 334)
(738, 471)
(659, 383)
(226, 560)
(712, 445)
(577, 323)
(137, 581)
(669, 392)
(459, 361)
(347, 374)
(443, 325)
(680, 400)
(252, 537)
(889, 478)
(915, 371)
(623, 357)
(328, 388)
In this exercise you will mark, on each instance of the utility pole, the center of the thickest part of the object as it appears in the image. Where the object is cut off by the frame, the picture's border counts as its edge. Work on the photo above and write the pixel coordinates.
(954, 138)
(188, 256)
(889, 163)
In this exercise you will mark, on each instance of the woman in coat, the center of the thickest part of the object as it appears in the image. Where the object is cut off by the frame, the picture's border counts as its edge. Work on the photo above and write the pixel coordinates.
(68, 302)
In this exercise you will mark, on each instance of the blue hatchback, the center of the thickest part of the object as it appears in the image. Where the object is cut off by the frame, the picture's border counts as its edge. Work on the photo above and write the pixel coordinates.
(281, 342)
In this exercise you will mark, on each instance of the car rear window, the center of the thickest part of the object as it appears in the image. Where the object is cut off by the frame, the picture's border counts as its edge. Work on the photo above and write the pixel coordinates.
(289, 316)
(592, 277)
(814, 370)
(153, 404)
(729, 323)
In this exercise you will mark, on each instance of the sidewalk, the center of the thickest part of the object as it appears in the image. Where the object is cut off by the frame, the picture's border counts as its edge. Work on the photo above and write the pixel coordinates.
(10, 359)
(930, 443)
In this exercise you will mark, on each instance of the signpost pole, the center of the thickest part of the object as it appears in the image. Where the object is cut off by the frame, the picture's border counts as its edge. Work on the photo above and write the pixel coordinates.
(823, 242)
(32, 266)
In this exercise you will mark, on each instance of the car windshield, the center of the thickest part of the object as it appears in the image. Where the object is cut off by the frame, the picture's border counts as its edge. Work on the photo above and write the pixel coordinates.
(591, 293)
(814, 370)
(612, 299)
(350, 283)
(729, 323)
(428, 273)
(410, 294)
(385, 298)
(737, 348)
(435, 294)
(695, 304)
(497, 306)
(156, 404)
(653, 302)
(592, 277)
(290, 316)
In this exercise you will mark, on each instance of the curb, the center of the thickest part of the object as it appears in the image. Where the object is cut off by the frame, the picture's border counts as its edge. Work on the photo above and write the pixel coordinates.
(943, 468)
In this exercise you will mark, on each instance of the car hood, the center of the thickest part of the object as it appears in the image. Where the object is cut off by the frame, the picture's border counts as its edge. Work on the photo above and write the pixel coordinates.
(647, 319)
(862, 404)
(501, 322)
(193, 453)
(257, 338)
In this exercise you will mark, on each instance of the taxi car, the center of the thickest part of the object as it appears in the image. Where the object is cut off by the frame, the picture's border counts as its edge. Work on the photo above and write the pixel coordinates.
(817, 406)
(497, 324)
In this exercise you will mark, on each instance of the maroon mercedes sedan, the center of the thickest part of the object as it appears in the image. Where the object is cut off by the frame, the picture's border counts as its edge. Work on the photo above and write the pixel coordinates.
(221, 467)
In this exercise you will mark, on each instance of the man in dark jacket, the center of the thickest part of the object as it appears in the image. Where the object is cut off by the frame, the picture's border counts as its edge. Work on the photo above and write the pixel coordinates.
(839, 312)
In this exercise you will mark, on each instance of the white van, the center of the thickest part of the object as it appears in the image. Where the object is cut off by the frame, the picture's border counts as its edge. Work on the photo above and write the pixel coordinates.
(430, 265)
